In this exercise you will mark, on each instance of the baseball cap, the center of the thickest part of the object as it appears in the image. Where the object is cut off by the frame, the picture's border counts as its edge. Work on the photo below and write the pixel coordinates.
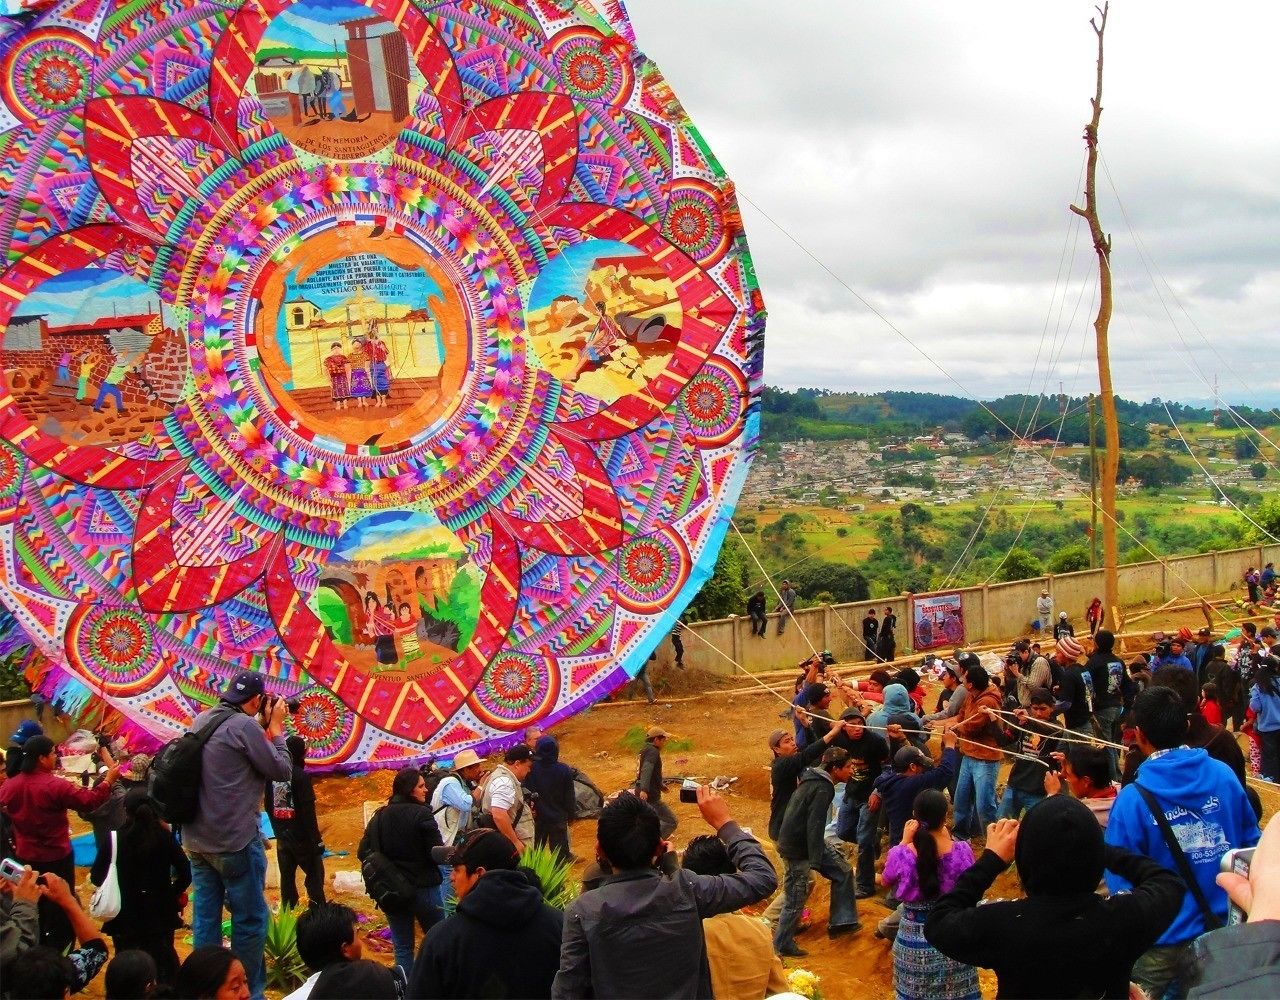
(1062, 615)
(814, 693)
(483, 848)
(1041, 696)
(906, 756)
(245, 685)
(656, 732)
(465, 759)
(852, 713)
(1022, 645)
(519, 752)
(776, 737)
(27, 728)
(1205, 631)
(969, 660)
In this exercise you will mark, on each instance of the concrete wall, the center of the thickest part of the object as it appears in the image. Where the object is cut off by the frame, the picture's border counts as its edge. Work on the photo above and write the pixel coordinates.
(991, 613)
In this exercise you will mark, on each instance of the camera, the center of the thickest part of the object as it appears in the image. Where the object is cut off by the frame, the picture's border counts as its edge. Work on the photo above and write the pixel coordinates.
(689, 790)
(269, 703)
(10, 870)
(1238, 861)
(1163, 647)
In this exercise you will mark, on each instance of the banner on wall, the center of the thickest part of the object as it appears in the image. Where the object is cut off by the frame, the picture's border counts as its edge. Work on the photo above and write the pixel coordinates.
(937, 620)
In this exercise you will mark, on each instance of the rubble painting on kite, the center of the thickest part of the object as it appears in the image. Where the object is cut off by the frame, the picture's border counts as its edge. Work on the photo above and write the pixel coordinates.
(408, 353)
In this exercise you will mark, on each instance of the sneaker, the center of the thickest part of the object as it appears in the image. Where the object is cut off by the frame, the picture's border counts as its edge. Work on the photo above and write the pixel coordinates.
(793, 952)
(839, 930)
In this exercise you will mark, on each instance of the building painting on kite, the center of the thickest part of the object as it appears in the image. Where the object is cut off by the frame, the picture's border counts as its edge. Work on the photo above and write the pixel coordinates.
(336, 80)
(399, 593)
(93, 354)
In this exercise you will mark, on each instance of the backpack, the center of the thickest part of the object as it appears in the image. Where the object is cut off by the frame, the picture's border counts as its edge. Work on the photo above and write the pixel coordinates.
(383, 881)
(588, 800)
(174, 782)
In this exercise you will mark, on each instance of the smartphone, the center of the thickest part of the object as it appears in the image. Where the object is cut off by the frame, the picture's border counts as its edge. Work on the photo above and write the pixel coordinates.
(11, 870)
(689, 791)
(1238, 861)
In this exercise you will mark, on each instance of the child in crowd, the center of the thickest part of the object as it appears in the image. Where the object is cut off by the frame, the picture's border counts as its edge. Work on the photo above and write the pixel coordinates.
(1086, 771)
(922, 868)
(1209, 706)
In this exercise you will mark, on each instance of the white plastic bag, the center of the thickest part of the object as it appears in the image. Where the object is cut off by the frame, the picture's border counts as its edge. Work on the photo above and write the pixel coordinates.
(347, 881)
(105, 904)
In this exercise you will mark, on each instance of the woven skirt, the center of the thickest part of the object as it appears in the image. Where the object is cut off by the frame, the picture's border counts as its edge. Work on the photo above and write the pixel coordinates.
(921, 971)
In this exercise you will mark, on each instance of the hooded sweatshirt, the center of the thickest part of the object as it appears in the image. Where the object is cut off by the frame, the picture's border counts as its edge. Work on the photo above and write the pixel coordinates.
(805, 820)
(896, 702)
(1209, 814)
(552, 782)
(503, 941)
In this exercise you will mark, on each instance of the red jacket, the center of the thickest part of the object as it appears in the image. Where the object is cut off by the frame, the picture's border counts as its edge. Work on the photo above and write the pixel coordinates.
(37, 803)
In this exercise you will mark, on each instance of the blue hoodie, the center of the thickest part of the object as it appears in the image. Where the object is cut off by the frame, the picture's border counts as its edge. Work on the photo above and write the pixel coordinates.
(1207, 808)
(896, 702)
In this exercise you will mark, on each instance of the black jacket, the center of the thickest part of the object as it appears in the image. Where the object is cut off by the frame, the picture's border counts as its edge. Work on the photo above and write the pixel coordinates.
(152, 875)
(1077, 710)
(1057, 946)
(302, 829)
(784, 776)
(649, 774)
(806, 817)
(1238, 962)
(503, 941)
(552, 782)
(406, 832)
(898, 790)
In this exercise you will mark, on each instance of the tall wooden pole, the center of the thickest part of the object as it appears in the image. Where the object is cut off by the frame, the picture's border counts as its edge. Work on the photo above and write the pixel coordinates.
(1106, 395)
(1093, 484)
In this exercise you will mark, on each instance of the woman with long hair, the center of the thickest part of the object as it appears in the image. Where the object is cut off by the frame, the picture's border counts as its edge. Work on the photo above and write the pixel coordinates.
(1264, 702)
(36, 801)
(405, 831)
(918, 871)
(153, 872)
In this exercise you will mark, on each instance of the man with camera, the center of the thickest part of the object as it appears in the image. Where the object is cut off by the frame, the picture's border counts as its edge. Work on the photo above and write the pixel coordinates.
(1030, 672)
(228, 859)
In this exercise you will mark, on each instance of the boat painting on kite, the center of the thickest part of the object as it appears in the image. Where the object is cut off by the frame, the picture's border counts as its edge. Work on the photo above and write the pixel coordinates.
(408, 353)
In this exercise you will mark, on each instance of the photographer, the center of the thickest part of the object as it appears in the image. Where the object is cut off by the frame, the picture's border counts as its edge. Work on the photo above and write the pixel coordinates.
(228, 860)
(1029, 671)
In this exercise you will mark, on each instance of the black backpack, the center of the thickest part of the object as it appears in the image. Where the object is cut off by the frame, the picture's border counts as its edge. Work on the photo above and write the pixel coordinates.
(174, 783)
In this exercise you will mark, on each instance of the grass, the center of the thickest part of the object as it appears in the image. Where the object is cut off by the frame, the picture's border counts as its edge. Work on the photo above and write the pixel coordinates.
(633, 740)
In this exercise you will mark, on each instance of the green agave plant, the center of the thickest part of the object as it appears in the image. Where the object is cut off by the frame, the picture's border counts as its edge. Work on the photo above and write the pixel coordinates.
(552, 871)
(285, 968)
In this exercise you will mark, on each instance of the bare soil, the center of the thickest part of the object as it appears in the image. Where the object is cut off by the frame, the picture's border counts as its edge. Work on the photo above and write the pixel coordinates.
(728, 736)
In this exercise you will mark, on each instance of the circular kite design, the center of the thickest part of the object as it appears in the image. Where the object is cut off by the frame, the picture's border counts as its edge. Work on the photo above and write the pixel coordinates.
(650, 570)
(714, 401)
(47, 72)
(404, 355)
(516, 689)
(117, 644)
(326, 724)
(695, 222)
(590, 69)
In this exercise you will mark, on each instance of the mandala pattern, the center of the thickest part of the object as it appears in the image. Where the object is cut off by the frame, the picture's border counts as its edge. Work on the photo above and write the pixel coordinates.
(406, 352)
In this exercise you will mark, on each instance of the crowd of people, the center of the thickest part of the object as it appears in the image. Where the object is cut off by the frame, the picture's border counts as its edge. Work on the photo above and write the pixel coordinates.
(1123, 793)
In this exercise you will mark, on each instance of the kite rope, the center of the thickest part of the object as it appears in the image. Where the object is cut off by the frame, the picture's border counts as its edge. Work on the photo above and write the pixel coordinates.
(769, 580)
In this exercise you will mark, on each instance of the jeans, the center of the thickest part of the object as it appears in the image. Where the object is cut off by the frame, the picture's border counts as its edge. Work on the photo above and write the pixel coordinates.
(55, 929)
(976, 785)
(426, 909)
(667, 821)
(1157, 970)
(290, 859)
(758, 624)
(237, 879)
(1109, 725)
(859, 825)
(1016, 802)
(1269, 743)
(795, 883)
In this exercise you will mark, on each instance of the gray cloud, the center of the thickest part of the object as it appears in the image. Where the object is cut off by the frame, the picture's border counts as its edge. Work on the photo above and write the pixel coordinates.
(927, 153)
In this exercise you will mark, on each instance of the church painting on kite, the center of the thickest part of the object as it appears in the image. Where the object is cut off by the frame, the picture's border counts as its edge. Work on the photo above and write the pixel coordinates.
(407, 353)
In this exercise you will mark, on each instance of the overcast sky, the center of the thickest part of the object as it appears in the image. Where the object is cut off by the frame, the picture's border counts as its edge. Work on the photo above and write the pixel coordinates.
(926, 152)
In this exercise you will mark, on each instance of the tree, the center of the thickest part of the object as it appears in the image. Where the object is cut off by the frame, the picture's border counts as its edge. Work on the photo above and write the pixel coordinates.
(784, 534)
(1267, 515)
(1019, 564)
(1069, 559)
(1258, 470)
(843, 583)
(725, 593)
(1245, 446)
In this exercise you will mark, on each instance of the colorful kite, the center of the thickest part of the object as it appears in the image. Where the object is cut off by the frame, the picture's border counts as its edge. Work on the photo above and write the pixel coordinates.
(407, 352)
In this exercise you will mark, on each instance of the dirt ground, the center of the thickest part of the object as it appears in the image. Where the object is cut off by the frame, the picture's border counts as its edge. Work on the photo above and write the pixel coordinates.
(728, 736)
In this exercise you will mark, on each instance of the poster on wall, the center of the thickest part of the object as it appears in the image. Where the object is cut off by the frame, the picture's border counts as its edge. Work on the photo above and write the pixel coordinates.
(937, 620)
